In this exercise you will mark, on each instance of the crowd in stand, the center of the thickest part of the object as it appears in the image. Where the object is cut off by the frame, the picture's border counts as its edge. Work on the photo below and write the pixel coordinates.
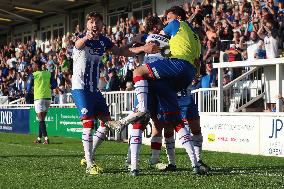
(229, 31)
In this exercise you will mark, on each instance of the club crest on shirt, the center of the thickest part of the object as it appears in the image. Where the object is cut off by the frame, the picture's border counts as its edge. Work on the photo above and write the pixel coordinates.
(94, 51)
(84, 110)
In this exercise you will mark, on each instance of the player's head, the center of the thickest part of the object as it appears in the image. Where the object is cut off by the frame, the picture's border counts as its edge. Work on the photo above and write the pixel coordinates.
(176, 12)
(94, 23)
(37, 66)
(154, 25)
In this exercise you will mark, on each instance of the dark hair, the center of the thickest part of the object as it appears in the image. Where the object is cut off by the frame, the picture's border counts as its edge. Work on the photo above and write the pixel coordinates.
(178, 11)
(94, 15)
(39, 64)
(152, 22)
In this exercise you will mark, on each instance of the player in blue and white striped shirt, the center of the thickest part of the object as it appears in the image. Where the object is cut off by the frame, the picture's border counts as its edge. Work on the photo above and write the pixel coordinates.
(87, 53)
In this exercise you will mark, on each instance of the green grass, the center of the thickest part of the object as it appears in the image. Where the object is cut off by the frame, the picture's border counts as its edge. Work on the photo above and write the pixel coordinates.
(25, 165)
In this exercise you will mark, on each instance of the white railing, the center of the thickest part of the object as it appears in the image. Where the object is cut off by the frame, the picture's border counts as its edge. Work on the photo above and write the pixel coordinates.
(206, 99)
(119, 102)
(4, 100)
(18, 101)
(244, 90)
(249, 84)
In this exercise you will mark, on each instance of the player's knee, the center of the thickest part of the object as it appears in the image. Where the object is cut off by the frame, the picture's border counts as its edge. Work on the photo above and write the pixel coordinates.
(157, 128)
(156, 133)
(141, 71)
(194, 125)
(179, 127)
(169, 134)
(88, 124)
(143, 122)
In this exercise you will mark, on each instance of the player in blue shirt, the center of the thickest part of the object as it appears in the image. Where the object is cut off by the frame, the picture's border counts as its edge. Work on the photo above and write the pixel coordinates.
(87, 54)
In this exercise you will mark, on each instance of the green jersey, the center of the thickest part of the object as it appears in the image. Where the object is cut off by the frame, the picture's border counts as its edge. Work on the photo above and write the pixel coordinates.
(42, 85)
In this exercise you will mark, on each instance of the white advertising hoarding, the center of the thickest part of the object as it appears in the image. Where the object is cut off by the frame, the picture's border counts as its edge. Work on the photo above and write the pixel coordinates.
(272, 136)
(257, 134)
(239, 134)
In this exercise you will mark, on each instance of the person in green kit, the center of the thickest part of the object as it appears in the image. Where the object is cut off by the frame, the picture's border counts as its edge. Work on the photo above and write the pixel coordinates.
(42, 98)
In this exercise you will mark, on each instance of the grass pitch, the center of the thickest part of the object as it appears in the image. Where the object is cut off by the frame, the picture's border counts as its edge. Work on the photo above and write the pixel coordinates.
(26, 165)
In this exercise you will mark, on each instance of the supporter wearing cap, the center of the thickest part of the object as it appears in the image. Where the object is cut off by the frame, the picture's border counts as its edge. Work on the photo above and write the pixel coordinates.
(113, 84)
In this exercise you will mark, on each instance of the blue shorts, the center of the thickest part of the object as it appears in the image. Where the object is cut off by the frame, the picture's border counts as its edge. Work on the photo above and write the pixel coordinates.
(163, 106)
(89, 104)
(188, 107)
(176, 71)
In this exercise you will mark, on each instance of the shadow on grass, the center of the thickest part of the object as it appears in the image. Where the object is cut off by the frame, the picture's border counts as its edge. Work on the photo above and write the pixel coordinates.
(265, 170)
(42, 156)
(215, 171)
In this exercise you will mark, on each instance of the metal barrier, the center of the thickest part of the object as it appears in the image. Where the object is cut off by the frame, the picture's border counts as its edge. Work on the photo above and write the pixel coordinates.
(206, 99)
(119, 102)
(4, 100)
(252, 85)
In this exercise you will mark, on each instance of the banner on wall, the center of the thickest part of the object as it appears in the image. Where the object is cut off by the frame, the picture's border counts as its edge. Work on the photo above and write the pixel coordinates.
(238, 134)
(60, 122)
(272, 136)
(14, 120)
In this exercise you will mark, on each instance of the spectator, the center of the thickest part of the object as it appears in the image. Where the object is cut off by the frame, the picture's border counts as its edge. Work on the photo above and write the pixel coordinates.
(62, 95)
(50, 64)
(269, 34)
(113, 83)
(64, 64)
(22, 65)
(235, 28)
(260, 51)
(251, 45)
(209, 80)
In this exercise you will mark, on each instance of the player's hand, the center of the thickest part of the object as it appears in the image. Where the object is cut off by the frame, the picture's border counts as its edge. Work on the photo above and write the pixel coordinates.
(89, 35)
(151, 48)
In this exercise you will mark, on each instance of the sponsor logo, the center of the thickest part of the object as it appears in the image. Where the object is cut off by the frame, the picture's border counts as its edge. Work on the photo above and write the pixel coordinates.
(276, 148)
(159, 37)
(277, 126)
(159, 116)
(137, 139)
(84, 110)
(155, 72)
(211, 137)
(6, 117)
(230, 127)
(94, 51)
(186, 137)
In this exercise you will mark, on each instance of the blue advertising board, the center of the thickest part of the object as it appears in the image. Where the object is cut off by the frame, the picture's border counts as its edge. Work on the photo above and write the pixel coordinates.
(14, 120)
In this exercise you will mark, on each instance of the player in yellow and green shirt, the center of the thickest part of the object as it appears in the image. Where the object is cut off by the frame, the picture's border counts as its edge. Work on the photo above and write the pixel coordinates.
(42, 98)
(179, 69)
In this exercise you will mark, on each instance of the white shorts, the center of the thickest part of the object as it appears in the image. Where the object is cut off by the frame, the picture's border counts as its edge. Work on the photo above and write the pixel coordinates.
(42, 105)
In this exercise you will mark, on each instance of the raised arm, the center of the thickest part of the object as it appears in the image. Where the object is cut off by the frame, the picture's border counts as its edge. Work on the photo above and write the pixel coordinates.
(80, 43)
(125, 51)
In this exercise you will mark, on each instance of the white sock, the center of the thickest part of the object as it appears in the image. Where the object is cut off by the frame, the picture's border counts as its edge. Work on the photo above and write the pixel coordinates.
(46, 138)
(135, 142)
(156, 144)
(186, 141)
(98, 138)
(170, 149)
(197, 141)
(141, 90)
(38, 138)
(87, 144)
